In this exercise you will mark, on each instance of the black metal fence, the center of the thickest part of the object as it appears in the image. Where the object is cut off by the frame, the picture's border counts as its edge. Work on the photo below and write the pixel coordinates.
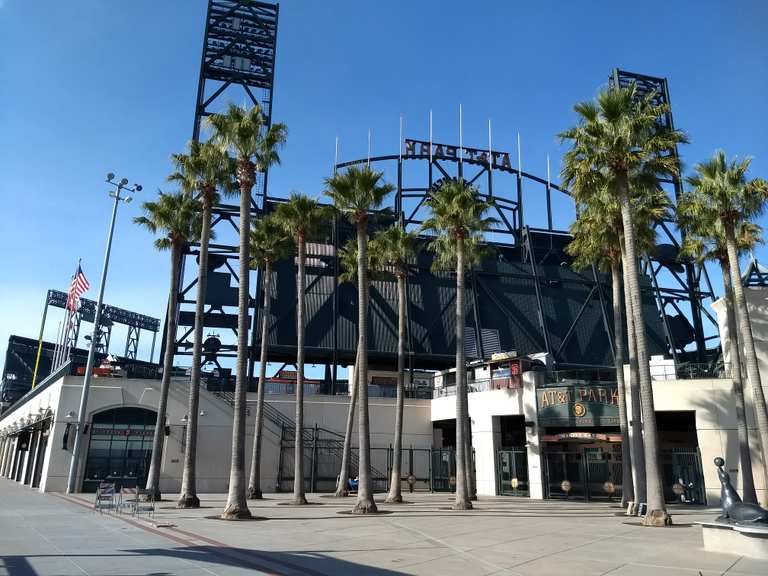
(322, 462)
(422, 469)
(593, 477)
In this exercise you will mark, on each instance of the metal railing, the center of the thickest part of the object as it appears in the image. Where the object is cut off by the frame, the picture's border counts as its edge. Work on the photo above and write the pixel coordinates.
(581, 375)
(482, 385)
(694, 371)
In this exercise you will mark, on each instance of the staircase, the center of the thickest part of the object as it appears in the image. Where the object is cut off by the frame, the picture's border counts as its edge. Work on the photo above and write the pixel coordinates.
(332, 441)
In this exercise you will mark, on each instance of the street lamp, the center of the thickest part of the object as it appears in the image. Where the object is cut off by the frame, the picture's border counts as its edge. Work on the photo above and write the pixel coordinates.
(122, 192)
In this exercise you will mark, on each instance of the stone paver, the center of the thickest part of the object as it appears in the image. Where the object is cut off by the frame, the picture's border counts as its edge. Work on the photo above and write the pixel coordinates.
(59, 535)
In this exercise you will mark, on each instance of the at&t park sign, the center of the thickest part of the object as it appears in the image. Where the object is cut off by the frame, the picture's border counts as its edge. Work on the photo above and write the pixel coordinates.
(577, 406)
(421, 149)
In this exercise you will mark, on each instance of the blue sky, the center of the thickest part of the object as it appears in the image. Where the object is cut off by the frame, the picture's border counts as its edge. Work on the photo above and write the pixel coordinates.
(95, 86)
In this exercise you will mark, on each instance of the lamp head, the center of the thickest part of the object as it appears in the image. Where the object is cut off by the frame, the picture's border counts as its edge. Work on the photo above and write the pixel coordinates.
(124, 182)
(138, 187)
(128, 199)
(110, 176)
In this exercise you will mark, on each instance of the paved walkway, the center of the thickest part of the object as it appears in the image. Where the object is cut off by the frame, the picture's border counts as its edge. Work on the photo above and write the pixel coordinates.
(58, 535)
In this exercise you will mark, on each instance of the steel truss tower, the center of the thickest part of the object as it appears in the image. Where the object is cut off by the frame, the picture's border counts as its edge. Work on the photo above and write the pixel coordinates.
(684, 297)
(237, 64)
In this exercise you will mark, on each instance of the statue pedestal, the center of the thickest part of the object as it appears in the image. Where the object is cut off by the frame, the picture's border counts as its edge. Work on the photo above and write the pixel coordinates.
(749, 541)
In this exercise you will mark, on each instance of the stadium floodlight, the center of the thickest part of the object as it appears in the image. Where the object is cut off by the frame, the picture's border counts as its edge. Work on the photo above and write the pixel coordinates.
(81, 414)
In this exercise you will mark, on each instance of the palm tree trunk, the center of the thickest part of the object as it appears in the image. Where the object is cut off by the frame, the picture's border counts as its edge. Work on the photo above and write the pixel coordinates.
(469, 468)
(627, 487)
(657, 512)
(748, 493)
(153, 479)
(636, 423)
(748, 344)
(395, 494)
(237, 505)
(341, 486)
(188, 495)
(254, 482)
(462, 488)
(298, 441)
(365, 503)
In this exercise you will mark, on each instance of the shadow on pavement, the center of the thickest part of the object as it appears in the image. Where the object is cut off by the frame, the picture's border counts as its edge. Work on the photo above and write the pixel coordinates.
(279, 563)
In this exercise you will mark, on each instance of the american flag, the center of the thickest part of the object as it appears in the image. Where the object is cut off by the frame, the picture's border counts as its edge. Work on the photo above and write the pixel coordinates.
(77, 288)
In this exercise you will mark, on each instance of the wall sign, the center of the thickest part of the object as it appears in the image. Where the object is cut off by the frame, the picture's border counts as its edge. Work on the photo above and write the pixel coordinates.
(575, 406)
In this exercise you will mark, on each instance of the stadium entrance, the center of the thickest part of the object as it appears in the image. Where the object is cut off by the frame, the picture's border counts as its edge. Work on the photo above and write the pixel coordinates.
(581, 440)
(120, 448)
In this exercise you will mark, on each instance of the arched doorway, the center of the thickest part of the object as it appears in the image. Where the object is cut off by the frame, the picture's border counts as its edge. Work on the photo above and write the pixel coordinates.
(120, 447)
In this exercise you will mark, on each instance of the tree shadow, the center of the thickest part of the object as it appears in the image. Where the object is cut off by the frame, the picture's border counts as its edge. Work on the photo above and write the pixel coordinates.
(280, 563)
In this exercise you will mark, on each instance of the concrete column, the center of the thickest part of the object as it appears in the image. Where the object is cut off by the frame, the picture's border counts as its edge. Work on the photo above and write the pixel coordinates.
(25, 460)
(486, 438)
(8, 458)
(11, 456)
(4, 455)
(34, 448)
(533, 441)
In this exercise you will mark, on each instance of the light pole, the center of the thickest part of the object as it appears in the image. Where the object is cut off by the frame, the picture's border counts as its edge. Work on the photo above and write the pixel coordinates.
(119, 187)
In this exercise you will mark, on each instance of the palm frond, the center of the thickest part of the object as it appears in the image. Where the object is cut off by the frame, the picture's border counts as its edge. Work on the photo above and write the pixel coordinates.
(177, 216)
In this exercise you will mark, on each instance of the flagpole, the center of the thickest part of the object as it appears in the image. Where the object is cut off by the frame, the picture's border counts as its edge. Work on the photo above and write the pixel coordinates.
(490, 161)
(430, 149)
(549, 197)
(369, 147)
(336, 155)
(430, 138)
(399, 196)
(64, 350)
(461, 143)
(521, 219)
(57, 350)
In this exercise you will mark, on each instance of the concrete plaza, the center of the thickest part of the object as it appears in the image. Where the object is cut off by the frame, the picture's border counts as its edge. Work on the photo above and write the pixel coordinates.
(60, 535)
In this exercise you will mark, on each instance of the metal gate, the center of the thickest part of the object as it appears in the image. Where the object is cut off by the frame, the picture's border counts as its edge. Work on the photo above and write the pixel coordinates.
(591, 475)
(683, 476)
(512, 472)
(587, 476)
(443, 470)
(565, 475)
(603, 475)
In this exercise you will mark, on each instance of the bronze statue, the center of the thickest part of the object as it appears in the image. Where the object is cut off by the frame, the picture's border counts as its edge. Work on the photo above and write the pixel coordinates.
(734, 510)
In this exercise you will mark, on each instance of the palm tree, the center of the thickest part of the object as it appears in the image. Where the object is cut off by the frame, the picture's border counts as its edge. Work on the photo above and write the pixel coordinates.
(620, 135)
(301, 218)
(246, 134)
(398, 249)
(722, 189)
(348, 259)
(269, 244)
(458, 215)
(638, 443)
(705, 241)
(177, 217)
(597, 241)
(203, 172)
(355, 193)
